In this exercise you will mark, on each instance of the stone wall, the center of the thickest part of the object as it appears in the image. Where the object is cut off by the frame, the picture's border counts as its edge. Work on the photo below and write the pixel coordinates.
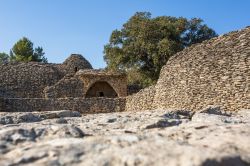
(68, 86)
(27, 79)
(216, 72)
(90, 105)
(143, 100)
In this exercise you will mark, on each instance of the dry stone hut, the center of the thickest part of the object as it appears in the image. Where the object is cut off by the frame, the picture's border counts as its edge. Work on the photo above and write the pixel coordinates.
(28, 80)
(71, 85)
(99, 83)
(215, 72)
(89, 83)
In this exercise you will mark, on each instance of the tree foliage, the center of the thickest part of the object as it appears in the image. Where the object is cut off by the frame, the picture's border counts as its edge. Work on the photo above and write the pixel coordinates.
(144, 44)
(4, 58)
(24, 51)
(196, 32)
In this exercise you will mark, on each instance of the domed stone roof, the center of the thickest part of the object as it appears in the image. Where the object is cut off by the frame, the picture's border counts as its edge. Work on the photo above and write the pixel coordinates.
(215, 72)
(76, 62)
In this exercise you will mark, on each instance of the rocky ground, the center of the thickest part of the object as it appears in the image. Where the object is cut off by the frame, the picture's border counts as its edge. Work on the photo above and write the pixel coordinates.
(158, 137)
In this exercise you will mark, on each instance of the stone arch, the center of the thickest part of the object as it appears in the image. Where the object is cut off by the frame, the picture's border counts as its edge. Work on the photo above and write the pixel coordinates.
(101, 89)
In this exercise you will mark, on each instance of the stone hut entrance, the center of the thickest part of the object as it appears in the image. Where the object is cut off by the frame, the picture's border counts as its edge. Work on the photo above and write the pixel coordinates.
(102, 83)
(101, 89)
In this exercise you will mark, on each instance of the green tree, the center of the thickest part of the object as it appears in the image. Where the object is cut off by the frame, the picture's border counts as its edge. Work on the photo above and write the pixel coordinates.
(144, 44)
(23, 51)
(4, 58)
(196, 32)
(38, 55)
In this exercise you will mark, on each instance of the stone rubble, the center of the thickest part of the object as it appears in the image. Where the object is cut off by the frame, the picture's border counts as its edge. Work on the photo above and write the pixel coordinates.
(156, 137)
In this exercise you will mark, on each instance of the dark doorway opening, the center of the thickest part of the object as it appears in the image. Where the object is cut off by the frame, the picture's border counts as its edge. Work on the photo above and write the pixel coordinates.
(101, 89)
(76, 69)
(100, 94)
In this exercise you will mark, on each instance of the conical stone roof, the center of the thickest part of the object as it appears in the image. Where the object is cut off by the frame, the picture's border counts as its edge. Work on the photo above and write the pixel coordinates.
(76, 62)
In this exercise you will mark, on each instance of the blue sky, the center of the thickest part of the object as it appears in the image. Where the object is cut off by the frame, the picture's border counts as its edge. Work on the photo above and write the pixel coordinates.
(63, 27)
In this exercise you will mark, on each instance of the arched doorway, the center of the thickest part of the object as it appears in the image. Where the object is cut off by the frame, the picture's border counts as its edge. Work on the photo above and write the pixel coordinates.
(101, 89)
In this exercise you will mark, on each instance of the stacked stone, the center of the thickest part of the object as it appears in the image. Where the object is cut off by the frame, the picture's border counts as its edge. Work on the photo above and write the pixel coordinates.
(27, 80)
(90, 105)
(216, 72)
(68, 86)
(143, 100)
(74, 63)
(45, 87)
(117, 80)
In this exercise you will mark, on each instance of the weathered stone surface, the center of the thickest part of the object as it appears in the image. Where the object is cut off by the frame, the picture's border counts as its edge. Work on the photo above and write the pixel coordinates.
(198, 139)
(15, 118)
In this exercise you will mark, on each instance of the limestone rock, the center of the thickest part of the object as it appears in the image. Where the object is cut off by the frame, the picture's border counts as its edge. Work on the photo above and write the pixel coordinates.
(61, 121)
(216, 110)
(15, 118)
(192, 139)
